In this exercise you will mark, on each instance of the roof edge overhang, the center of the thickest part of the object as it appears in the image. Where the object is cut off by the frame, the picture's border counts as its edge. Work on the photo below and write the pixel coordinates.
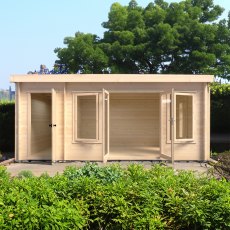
(113, 78)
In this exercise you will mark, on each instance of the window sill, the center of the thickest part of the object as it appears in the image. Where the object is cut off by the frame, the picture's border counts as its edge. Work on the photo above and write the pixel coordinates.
(86, 142)
(182, 142)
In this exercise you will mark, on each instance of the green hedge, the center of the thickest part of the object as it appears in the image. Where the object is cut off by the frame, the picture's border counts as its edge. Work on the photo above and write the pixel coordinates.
(7, 126)
(113, 198)
(220, 108)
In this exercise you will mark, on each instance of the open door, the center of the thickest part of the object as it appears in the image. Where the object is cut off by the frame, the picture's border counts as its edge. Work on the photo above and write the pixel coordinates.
(171, 117)
(105, 125)
(181, 117)
(53, 126)
(172, 124)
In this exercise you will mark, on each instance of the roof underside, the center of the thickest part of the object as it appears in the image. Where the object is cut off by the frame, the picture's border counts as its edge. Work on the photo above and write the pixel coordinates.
(111, 78)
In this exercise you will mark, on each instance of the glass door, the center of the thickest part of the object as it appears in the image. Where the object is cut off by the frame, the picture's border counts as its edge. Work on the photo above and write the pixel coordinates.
(166, 102)
(105, 125)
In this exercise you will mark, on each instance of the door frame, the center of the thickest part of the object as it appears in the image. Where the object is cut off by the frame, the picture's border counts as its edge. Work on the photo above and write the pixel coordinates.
(163, 137)
(159, 92)
(105, 125)
(53, 117)
(54, 125)
(172, 122)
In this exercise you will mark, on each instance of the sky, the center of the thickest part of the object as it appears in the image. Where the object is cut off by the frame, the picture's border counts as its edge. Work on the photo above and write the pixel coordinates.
(32, 29)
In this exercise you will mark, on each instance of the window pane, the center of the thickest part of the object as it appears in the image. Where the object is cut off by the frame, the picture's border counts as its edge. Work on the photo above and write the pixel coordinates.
(86, 117)
(184, 121)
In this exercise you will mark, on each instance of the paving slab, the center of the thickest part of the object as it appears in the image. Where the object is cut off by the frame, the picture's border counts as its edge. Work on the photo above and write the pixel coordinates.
(37, 168)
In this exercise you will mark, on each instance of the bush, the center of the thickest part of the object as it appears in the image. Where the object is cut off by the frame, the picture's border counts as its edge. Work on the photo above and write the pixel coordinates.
(105, 174)
(222, 167)
(7, 124)
(94, 197)
(25, 174)
(220, 109)
(3, 173)
(33, 203)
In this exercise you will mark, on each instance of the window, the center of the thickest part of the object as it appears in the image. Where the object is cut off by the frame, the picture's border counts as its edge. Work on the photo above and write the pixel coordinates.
(184, 116)
(86, 117)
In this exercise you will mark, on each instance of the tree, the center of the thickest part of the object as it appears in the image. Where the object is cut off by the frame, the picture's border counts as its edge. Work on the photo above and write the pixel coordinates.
(83, 54)
(184, 37)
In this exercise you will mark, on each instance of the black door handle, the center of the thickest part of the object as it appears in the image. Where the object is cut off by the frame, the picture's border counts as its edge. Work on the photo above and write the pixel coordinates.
(52, 125)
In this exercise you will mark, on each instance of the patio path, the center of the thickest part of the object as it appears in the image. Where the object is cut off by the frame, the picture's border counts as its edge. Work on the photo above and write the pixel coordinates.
(37, 168)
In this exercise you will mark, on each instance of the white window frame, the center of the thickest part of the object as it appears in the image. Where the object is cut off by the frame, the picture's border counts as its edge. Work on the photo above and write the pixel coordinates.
(75, 126)
(168, 126)
(193, 114)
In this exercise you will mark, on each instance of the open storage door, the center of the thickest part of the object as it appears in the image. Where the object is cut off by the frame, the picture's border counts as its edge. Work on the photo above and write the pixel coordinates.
(53, 125)
(105, 125)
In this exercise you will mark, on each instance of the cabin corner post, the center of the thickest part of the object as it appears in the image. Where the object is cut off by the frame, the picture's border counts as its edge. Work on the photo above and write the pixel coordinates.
(17, 101)
(206, 155)
(65, 123)
(28, 124)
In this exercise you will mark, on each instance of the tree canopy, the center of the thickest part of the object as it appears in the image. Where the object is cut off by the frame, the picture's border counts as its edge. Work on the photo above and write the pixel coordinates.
(185, 37)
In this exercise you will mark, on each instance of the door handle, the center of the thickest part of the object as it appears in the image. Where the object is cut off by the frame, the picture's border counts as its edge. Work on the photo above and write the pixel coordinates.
(52, 125)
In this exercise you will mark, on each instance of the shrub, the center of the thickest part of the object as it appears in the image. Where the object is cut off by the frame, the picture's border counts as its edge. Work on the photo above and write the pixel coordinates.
(133, 198)
(7, 124)
(32, 203)
(220, 109)
(104, 174)
(3, 173)
(25, 174)
(222, 167)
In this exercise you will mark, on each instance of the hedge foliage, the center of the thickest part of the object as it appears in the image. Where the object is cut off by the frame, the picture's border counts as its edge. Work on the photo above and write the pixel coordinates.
(220, 108)
(109, 197)
(221, 90)
(7, 125)
(222, 165)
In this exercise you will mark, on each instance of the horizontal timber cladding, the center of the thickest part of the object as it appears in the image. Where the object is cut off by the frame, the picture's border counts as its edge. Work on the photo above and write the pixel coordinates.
(59, 153)
(111, 87)
(41, 87)
(136, 113)
(191, 150)
(133, 87)
(134, 119)
(22, 127)
(148, 78)
(28, 146)
(80, 150)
